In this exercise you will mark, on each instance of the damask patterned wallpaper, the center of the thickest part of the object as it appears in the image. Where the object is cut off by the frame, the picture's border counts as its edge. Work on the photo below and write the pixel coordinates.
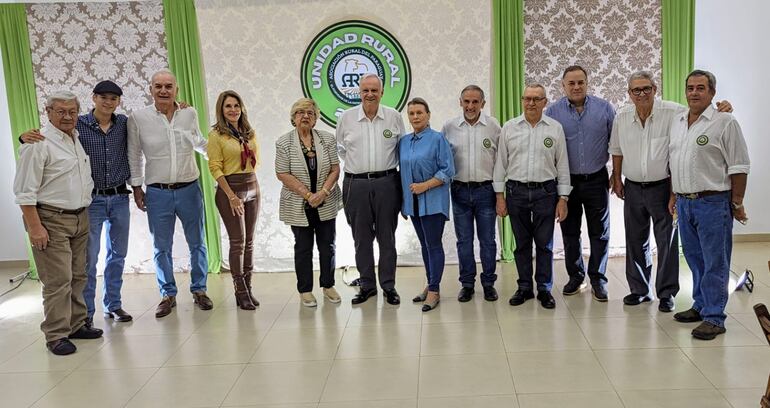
(610, 38)
(76, 45)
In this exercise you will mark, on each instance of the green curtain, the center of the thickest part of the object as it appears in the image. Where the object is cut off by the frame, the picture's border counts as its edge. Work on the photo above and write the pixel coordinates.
(184, 59)
(678, 51)
(508, 46)
(19, 80)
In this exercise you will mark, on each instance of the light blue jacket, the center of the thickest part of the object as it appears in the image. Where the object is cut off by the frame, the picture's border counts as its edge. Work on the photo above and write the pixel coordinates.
(423, 156)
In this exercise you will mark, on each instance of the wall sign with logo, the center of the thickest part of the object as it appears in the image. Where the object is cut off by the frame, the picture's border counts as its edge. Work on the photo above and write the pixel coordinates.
(341, 54)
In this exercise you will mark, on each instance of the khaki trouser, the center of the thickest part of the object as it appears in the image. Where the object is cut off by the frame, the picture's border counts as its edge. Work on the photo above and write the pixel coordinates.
(62, 271)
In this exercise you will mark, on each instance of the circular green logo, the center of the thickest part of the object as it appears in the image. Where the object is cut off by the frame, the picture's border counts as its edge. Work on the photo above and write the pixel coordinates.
(487, 143)
(341, 54)
(702, 140)
(387, 133)
(548, 142)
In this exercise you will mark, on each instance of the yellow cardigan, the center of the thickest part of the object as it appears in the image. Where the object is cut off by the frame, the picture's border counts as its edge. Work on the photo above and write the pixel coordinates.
(224, 153)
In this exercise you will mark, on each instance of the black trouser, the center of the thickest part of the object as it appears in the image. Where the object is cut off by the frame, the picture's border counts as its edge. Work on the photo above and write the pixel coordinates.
(324, 233)
(589, 192)
(371, 209)
(642, 203)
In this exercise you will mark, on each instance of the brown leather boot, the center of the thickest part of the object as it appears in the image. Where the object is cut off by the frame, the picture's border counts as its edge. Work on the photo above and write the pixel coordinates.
(242, 298)
(247, 279)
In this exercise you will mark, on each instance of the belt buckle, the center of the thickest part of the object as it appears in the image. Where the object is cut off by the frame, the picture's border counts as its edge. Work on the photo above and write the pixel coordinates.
(533, 184)
(370, 176)
(691, 196)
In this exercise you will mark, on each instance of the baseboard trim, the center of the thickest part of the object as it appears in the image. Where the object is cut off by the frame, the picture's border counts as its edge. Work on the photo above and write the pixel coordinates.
(751, 238)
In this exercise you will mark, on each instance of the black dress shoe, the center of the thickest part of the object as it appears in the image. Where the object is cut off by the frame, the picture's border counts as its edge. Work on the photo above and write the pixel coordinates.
(61, 347)
(633, 300)
(490, 293)
(391, 296)
(666, 305)
(688, 316)
(119, 315)
(707, 331)
(86, 333)
(465, 295)
(546, 299)
(363, 295)
(600, 292)
(520, 297)
(421, 297)
(574, 286)
(89, 322)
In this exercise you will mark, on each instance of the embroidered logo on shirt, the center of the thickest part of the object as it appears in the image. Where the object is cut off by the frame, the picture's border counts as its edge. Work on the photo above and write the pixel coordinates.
(548, 142)
(702, 140)
(387, 133)
(487, 143)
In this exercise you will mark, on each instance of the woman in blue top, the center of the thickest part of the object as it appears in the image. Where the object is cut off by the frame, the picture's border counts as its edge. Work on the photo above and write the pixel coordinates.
(427, 168)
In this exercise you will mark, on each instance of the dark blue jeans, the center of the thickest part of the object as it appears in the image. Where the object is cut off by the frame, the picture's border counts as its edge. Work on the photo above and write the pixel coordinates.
(532, 213)
(477, 204)
(430, 229)
(706, 230)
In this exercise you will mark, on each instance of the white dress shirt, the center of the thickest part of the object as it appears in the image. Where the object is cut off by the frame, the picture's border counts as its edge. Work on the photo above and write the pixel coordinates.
(644, 149)
(56, 172)
(704, 155)
(532, 154)
(474, 147)
(167, 146)
(365, 145)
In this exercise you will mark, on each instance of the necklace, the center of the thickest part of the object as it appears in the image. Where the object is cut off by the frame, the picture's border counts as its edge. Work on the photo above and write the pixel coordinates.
(309, 152)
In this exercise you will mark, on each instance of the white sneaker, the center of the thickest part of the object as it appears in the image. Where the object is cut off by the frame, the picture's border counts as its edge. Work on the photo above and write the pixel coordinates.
(331, 295)
(308, 299)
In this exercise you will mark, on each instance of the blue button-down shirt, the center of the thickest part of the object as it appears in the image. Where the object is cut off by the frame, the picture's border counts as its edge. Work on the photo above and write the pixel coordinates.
(109, 159)
(587, 133)
(423, 156)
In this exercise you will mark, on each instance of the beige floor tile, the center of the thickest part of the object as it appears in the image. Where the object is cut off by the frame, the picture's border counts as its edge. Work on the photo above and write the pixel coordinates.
(135, 352)
(373, 314)
(557, 371)
(180, 321)
(737, 334)
(743, 397)
(487, 401)
(461, 338)
(220, 348)
(453, 311)
(12, 344)
(464, 375)
(582, 306)
(371, 404)
(280, 383)
(542, 335)
(36, 357)
(295, 316)
(605, 399)
(674, 398)
(194, 386)
(380, 341)
(529, 310)
(639, 331)
(743, 301)
(23, 389)
(97, 388)
(732, 367)
(261, 319)
(313, 405)
(372, 379)
(651, 369)
(749, 321)
(299, 344)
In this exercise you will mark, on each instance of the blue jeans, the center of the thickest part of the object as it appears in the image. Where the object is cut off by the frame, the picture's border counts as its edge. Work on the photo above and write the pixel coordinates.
(163, 207)
(532, 212)
(111, 210)
(477, 204)
(430, 229)
(706, 231)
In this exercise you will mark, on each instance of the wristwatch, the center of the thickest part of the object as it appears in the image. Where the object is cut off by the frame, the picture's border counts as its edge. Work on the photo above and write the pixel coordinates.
(736, 206)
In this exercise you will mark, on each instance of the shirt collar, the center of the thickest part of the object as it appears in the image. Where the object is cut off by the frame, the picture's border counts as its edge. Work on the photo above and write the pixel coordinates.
(362, 115)
(155, 108)
(655, 105)
(482, 120)
(91, 121)
(708, 114)
(519, 119)
(422, 133)
(51, 130)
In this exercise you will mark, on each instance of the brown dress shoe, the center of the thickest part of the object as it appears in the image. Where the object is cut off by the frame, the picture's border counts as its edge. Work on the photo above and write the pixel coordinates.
(165, 305)
(202, 300)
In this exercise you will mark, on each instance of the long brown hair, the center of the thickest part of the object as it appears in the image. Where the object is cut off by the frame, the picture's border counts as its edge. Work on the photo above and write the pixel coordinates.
(243, 121)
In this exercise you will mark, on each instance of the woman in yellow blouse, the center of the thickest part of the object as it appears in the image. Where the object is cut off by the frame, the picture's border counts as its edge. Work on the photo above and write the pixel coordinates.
(233, 157)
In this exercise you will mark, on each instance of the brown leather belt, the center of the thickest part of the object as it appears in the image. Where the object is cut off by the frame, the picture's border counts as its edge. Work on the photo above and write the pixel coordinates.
(700, 194)
(172, 186)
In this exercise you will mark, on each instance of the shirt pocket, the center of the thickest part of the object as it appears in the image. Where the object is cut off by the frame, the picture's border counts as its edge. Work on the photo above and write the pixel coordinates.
(659, 147)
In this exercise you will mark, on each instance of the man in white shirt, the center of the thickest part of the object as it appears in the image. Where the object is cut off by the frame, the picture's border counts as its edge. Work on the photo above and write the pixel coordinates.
(533, 170)
(53, 188)
(167, 137)
(474, 136)
(367, 140)
(709, 168)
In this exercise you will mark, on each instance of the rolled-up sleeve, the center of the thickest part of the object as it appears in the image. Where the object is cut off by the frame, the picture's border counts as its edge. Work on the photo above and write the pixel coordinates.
(735, 150)
(29, 173)
(614, 148)
(446, 163)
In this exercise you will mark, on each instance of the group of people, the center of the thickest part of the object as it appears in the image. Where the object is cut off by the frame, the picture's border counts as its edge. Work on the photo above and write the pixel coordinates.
(685, 169)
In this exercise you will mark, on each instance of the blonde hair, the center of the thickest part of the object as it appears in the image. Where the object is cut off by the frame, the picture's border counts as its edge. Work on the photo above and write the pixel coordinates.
(303, 104)
(243, 121)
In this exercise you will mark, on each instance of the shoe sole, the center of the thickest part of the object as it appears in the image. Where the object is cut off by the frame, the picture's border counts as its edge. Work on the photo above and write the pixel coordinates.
(579, 289)
(118, 318)
(309, 304)
(333, 300)
(598, 299)
(701, 336)
(636, 303)
(203, 307)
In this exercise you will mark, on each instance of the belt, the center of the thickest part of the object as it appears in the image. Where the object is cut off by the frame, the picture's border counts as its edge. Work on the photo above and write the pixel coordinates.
(171, 186)
(472, 184)
(645, 184)
(121, 189)
(586, 177)
(700, 194)
(60, 210)
(372, 175)
(529, 184)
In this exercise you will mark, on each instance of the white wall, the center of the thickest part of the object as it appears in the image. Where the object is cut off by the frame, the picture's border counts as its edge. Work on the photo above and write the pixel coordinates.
(13, 246)
(731, 42)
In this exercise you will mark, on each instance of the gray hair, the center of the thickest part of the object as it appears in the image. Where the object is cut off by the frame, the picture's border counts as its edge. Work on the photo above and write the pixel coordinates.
(536, 85)
(473, 88)
(163, 71)
(642, 75)
(711, 78)
(61, 96)
(371, 75)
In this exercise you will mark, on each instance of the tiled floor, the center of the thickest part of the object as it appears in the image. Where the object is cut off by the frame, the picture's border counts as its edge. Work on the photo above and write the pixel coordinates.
(478, 354)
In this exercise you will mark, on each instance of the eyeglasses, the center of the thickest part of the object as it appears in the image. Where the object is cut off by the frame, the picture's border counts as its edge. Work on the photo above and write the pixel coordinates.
(638, 91)
(305, 113)
(62, 113)
(527, 99)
